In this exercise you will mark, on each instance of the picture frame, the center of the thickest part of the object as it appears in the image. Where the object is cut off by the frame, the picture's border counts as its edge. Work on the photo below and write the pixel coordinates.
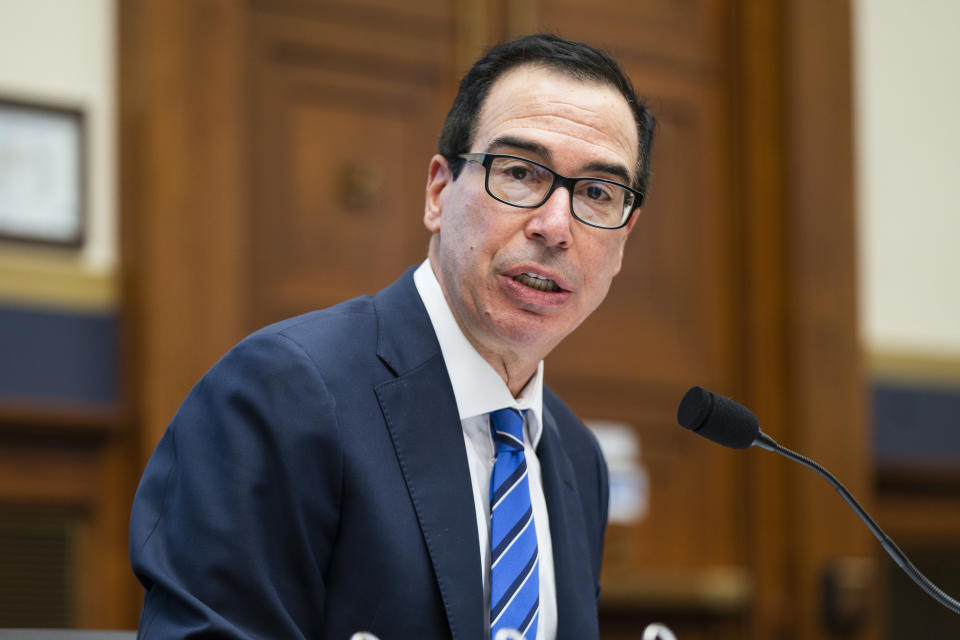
(42, 173)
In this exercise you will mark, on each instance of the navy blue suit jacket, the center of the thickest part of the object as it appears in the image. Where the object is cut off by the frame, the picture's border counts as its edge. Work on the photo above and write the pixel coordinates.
(314, 483)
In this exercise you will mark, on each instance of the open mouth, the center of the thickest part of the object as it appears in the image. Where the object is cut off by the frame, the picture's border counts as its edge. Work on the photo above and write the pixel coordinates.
(537, 282)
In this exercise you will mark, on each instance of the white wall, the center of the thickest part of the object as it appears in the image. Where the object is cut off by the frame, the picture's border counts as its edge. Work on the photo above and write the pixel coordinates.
(63, 52)
(907, 75)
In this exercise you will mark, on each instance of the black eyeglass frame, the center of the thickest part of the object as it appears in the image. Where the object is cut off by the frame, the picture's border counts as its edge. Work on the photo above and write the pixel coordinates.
(486, 160)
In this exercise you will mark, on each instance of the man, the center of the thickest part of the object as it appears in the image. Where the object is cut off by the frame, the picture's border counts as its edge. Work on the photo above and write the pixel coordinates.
(337, 472)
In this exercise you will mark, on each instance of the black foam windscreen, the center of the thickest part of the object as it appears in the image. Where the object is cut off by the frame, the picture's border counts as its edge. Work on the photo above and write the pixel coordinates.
(718, 418)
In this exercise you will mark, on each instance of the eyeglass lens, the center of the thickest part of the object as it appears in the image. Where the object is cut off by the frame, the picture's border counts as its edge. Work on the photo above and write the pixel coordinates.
(522, 183)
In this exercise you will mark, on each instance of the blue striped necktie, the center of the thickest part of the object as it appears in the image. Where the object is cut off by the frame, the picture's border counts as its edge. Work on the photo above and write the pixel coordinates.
(514, 560)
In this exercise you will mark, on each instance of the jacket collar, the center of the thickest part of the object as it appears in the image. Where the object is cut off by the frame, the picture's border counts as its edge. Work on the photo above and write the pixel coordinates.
(576, 595)
(405, 337)
(421, 414)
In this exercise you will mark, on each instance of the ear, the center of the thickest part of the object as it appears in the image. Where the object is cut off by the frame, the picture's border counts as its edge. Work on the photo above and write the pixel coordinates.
(623, 242)
(439, 177)
(633, 220)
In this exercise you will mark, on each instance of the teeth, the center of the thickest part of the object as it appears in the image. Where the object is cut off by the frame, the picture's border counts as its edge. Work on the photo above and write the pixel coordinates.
(537, 282)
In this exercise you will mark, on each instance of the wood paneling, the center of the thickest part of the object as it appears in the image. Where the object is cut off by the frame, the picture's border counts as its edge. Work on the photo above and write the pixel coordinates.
(827, 405)
(274, 157)
(85, 483)
(182, 153)
(757, 124)
(744, 282)
(669, 322)
(344, 120)
(36, 567)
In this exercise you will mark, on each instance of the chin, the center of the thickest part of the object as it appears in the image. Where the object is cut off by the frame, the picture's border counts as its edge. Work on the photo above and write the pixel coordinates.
(533, 332)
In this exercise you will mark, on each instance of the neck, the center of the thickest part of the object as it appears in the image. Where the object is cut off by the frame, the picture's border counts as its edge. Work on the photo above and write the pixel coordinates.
(515, 367)
(515, 371)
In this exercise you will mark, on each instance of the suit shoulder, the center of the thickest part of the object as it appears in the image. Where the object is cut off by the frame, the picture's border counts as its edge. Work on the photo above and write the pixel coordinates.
(326, 335)
(346, 316)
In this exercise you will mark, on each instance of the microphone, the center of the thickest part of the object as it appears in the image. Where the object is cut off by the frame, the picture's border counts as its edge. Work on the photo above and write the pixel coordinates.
(718, 418)
(731, 424)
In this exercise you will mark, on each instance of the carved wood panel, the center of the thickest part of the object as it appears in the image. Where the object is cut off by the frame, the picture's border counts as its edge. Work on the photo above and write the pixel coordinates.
(344, 119)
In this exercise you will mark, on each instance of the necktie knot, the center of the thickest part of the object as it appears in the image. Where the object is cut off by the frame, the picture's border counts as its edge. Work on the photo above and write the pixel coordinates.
(507, 428)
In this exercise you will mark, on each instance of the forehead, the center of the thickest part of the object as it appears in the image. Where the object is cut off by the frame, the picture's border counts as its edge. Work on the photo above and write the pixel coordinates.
(576, 121)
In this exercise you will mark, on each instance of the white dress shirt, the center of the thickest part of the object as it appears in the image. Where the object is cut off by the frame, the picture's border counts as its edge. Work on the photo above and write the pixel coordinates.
(479, 390)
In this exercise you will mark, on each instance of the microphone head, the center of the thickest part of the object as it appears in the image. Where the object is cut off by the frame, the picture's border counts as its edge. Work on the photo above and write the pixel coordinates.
(718, 418)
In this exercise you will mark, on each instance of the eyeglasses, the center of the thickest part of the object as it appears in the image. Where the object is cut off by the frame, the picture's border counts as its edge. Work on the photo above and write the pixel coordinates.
(600, 203)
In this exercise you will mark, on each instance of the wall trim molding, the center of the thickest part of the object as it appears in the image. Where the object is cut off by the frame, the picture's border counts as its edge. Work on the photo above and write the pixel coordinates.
(58, 282)
(915, 368)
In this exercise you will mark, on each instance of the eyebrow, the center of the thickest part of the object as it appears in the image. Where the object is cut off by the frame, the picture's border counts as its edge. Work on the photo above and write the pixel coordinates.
(613, 169)
(544, 154)
(520, 143)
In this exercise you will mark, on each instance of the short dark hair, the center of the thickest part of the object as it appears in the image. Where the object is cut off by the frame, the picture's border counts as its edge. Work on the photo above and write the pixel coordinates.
(576, 59)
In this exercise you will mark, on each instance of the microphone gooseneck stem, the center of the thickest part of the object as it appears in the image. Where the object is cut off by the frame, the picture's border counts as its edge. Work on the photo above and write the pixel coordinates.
(764, 441)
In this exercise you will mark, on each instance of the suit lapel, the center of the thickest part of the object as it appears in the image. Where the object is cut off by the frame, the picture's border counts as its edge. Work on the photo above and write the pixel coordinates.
(424, 424)
(576, 600)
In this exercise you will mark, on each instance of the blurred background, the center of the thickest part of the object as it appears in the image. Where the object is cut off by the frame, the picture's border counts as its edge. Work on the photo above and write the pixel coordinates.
(177, 173)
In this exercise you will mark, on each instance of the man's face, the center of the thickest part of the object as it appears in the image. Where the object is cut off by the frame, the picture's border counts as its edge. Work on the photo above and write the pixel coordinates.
(482, 248)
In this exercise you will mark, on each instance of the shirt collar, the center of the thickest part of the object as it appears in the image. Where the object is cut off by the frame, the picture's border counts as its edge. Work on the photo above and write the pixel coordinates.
(477, 388)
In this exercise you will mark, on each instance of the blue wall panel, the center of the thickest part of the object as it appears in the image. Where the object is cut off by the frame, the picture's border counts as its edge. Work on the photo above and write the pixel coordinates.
(913, 422)
(58, 356)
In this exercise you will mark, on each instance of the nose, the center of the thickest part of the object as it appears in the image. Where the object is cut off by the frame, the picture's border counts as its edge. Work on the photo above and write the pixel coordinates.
(551, 222)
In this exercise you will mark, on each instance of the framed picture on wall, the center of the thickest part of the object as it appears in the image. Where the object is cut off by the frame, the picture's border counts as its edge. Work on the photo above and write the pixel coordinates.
(42, 173)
